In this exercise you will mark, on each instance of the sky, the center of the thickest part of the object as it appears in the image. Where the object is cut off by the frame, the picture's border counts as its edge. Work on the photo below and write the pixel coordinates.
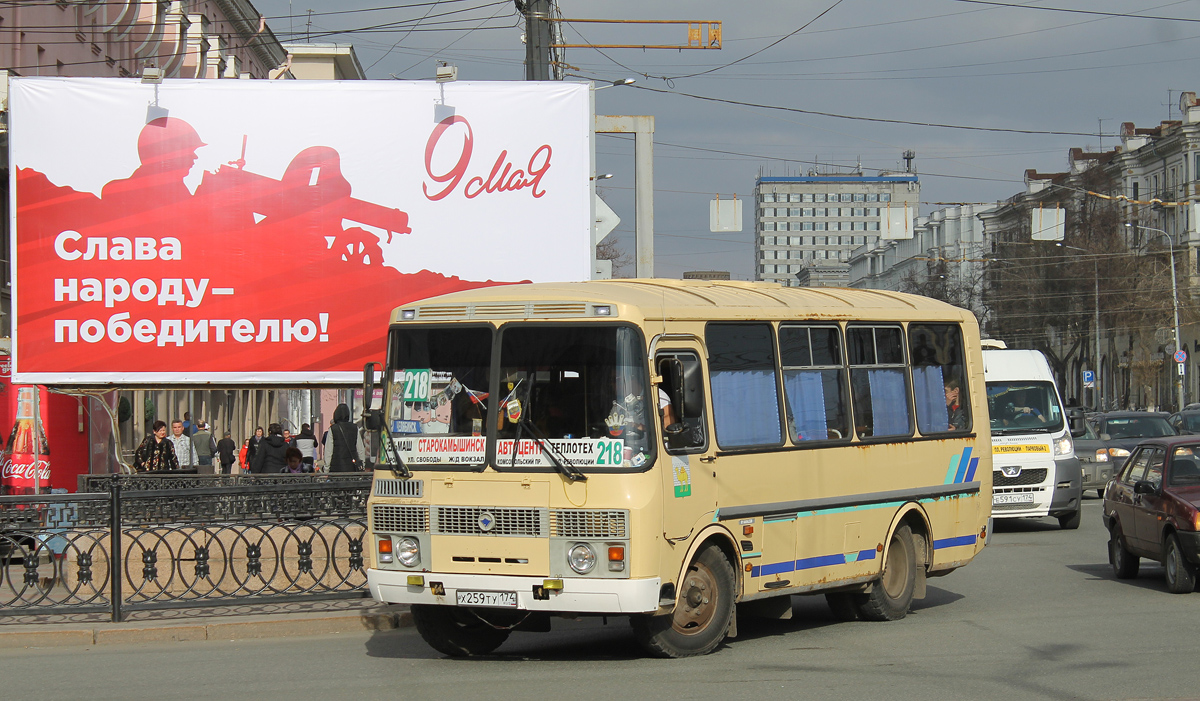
(1031, 82)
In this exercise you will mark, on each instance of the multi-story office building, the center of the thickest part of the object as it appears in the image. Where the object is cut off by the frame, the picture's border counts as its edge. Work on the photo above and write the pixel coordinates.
(804, 220)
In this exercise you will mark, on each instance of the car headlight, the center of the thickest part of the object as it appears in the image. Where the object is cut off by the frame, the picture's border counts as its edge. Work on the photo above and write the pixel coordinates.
(582, 558)
(408, 552)
(1101, 455)
(1118, 452)
(1063, 446)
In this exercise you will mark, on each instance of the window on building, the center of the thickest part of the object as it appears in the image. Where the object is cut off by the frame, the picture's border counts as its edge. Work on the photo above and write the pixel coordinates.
(878, 385)
(767, 197)
(741, 364)
(872, 226)
(885, 197)
(806, 212)
(939, 378)
(795, 240)
(847, 197)
(806, 197)
(860, 240)
(806, 226)
(794, 197)
(819, 197)
(794, 211)
(820, 212)
(859, 212)
(768, 226)
(819, 226)
(872, 197)
(835, 226)
(1196, 166)
(768, 240)
(818, 240)
(860, 197)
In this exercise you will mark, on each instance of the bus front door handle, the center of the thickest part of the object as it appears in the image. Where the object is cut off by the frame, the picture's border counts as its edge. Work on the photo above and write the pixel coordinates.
(708, 458)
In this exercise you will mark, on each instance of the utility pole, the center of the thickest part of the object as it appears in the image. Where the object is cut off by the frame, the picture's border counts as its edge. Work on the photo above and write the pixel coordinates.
(538, 39)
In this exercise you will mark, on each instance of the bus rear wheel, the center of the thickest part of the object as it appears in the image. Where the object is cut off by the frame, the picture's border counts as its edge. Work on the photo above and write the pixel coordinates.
(891, 596)
(456, 632)
(703, 610)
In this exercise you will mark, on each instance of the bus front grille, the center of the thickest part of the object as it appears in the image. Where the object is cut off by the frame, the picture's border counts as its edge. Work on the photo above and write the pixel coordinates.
(504, 521)
(1034, 476)
(394, 518)
(399, 488)
(589, 523)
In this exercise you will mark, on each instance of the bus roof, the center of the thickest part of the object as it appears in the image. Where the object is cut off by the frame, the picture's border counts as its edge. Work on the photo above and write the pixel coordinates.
(652, 298)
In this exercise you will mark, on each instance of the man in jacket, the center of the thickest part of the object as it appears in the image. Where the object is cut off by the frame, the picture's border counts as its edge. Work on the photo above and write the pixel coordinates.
(271, 456)
(205, 444)
(184, 450)
(227, 452)
(306, 443)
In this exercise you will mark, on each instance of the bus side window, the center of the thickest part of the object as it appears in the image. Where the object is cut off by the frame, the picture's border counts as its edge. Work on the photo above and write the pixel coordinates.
(693, 438)
(745, 396)
(939, 378)
(814, 383)
(878, 386)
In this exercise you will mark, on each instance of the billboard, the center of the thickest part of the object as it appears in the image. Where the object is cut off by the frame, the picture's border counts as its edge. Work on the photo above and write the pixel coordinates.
(237, 232)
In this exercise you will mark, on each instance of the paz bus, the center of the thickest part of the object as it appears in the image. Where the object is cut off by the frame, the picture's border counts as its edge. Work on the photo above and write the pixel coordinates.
(674, 452)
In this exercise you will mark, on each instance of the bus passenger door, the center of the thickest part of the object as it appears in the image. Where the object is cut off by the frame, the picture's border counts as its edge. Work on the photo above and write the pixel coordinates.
(688, 486)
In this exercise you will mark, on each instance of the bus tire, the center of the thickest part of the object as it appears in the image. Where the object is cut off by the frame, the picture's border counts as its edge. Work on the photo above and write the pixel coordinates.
(1071, 521)
(454, 631)
(1124, 563)
(892, 594)
(703, 611)
(843, 605)
(1181, 576)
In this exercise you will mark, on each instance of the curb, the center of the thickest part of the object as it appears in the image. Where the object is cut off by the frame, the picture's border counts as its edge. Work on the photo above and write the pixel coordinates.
(291, 625)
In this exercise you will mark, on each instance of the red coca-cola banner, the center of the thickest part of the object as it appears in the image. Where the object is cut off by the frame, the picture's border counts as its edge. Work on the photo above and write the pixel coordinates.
(245, 231)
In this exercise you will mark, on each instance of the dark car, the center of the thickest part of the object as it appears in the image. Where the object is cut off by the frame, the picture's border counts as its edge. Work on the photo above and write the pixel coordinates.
(1094, 459)
(1186, 421)
(1152, 510)
(1121, 431)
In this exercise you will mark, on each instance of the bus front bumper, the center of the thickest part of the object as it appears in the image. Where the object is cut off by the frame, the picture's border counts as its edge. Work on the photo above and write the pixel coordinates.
(578, 595)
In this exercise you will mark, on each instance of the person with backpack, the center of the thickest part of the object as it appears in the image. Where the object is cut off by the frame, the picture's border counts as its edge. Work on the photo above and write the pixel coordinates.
(344, 447)
(306, 443)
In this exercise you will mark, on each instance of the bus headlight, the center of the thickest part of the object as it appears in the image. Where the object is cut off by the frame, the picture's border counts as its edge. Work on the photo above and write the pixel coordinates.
(1063, 446)
(408, 552)
(582, 558)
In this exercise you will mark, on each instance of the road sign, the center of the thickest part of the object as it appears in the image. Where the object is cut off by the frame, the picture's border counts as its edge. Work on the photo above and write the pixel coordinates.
(1180, 366)
(1181, 356)
(1089, 379)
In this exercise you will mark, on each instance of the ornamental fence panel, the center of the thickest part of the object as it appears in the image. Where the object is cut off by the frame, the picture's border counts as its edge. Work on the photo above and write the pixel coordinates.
(138, 543)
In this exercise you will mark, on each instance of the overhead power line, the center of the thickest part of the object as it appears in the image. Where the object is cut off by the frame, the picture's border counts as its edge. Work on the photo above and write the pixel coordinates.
(884, 120)
(1073, 11)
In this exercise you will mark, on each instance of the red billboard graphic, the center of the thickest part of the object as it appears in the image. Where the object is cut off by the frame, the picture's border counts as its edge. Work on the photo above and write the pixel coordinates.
(250, 276)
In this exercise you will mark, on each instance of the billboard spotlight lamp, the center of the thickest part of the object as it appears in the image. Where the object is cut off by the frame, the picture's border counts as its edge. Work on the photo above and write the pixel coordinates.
(617, 83)
(446, 73)
(151, 74)
(602, 176)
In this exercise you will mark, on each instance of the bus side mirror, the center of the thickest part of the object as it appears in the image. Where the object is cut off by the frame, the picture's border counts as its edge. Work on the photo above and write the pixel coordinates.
(1077, 422)
(372, 417)
(692, 390)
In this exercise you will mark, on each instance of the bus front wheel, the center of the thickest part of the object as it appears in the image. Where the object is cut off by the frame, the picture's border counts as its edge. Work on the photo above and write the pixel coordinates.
(891, 596)
(456, 632)
(702, 612)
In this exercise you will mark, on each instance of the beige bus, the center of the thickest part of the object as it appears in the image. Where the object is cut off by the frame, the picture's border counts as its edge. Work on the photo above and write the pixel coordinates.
(668, 450)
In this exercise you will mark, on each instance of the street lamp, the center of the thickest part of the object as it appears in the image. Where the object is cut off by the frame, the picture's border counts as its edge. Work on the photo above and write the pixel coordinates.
(1175, 301)
(1096, 274)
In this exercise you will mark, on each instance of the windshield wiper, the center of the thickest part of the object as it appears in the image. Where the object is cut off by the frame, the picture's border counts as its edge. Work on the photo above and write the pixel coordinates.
(560, 462)
(399, 469)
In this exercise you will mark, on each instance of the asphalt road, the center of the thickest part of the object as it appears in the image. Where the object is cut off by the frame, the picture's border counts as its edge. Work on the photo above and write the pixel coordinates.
(1037, 615)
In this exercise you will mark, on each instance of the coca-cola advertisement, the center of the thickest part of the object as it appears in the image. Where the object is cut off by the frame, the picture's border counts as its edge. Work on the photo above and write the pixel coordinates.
(25, 462)
(262, 231)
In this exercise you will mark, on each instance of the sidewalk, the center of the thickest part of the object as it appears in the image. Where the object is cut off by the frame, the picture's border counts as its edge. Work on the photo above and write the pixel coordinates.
(234, 623)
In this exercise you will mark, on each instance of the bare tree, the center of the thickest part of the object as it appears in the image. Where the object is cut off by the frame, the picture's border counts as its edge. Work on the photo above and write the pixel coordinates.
(610, 249)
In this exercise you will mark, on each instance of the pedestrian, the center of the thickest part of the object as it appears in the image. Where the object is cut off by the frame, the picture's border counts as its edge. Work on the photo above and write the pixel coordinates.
(254, 441)
(295, 466)
(287, 436)
(271, 454)
(205, 445)
(156, 452)
(188, 428)
(243, 459)
(226, 449)
(344, 448)
(184, 450)
(306, 443)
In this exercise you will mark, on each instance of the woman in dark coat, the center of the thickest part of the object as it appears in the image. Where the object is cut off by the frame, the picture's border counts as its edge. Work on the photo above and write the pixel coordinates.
(344, 448)
(271, 455)
(155, 452)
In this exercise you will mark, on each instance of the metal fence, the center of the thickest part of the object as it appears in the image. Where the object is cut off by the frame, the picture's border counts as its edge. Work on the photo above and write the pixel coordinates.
(137, 543)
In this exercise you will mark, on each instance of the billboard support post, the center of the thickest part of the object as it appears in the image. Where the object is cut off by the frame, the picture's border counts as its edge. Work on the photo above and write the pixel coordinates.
(642, 128)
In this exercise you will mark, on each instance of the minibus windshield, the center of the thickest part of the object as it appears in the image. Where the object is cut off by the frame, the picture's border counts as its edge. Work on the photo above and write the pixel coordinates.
(1024, 407)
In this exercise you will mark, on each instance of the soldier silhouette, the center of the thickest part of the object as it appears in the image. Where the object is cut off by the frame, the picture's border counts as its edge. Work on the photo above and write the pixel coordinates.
(167, 150)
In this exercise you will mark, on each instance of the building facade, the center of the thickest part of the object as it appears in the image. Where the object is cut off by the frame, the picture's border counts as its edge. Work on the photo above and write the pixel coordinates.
(807, 220)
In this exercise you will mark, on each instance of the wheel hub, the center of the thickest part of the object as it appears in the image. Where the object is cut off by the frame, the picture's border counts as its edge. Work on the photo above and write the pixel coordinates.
(698, 604)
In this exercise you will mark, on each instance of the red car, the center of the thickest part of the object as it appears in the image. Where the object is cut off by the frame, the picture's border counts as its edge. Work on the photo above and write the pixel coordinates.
(1152, 510)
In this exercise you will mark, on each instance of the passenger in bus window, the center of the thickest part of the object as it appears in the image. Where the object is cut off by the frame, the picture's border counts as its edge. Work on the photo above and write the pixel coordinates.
(954, 409)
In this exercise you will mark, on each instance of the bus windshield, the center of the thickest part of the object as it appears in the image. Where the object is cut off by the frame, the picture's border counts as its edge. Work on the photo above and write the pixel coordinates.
(568, 395)
(1024, 407)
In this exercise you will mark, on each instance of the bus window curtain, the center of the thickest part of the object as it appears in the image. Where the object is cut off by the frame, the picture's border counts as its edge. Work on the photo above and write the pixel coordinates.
(888, 405)
(929, 390)
(806, 399)
(745, 408)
